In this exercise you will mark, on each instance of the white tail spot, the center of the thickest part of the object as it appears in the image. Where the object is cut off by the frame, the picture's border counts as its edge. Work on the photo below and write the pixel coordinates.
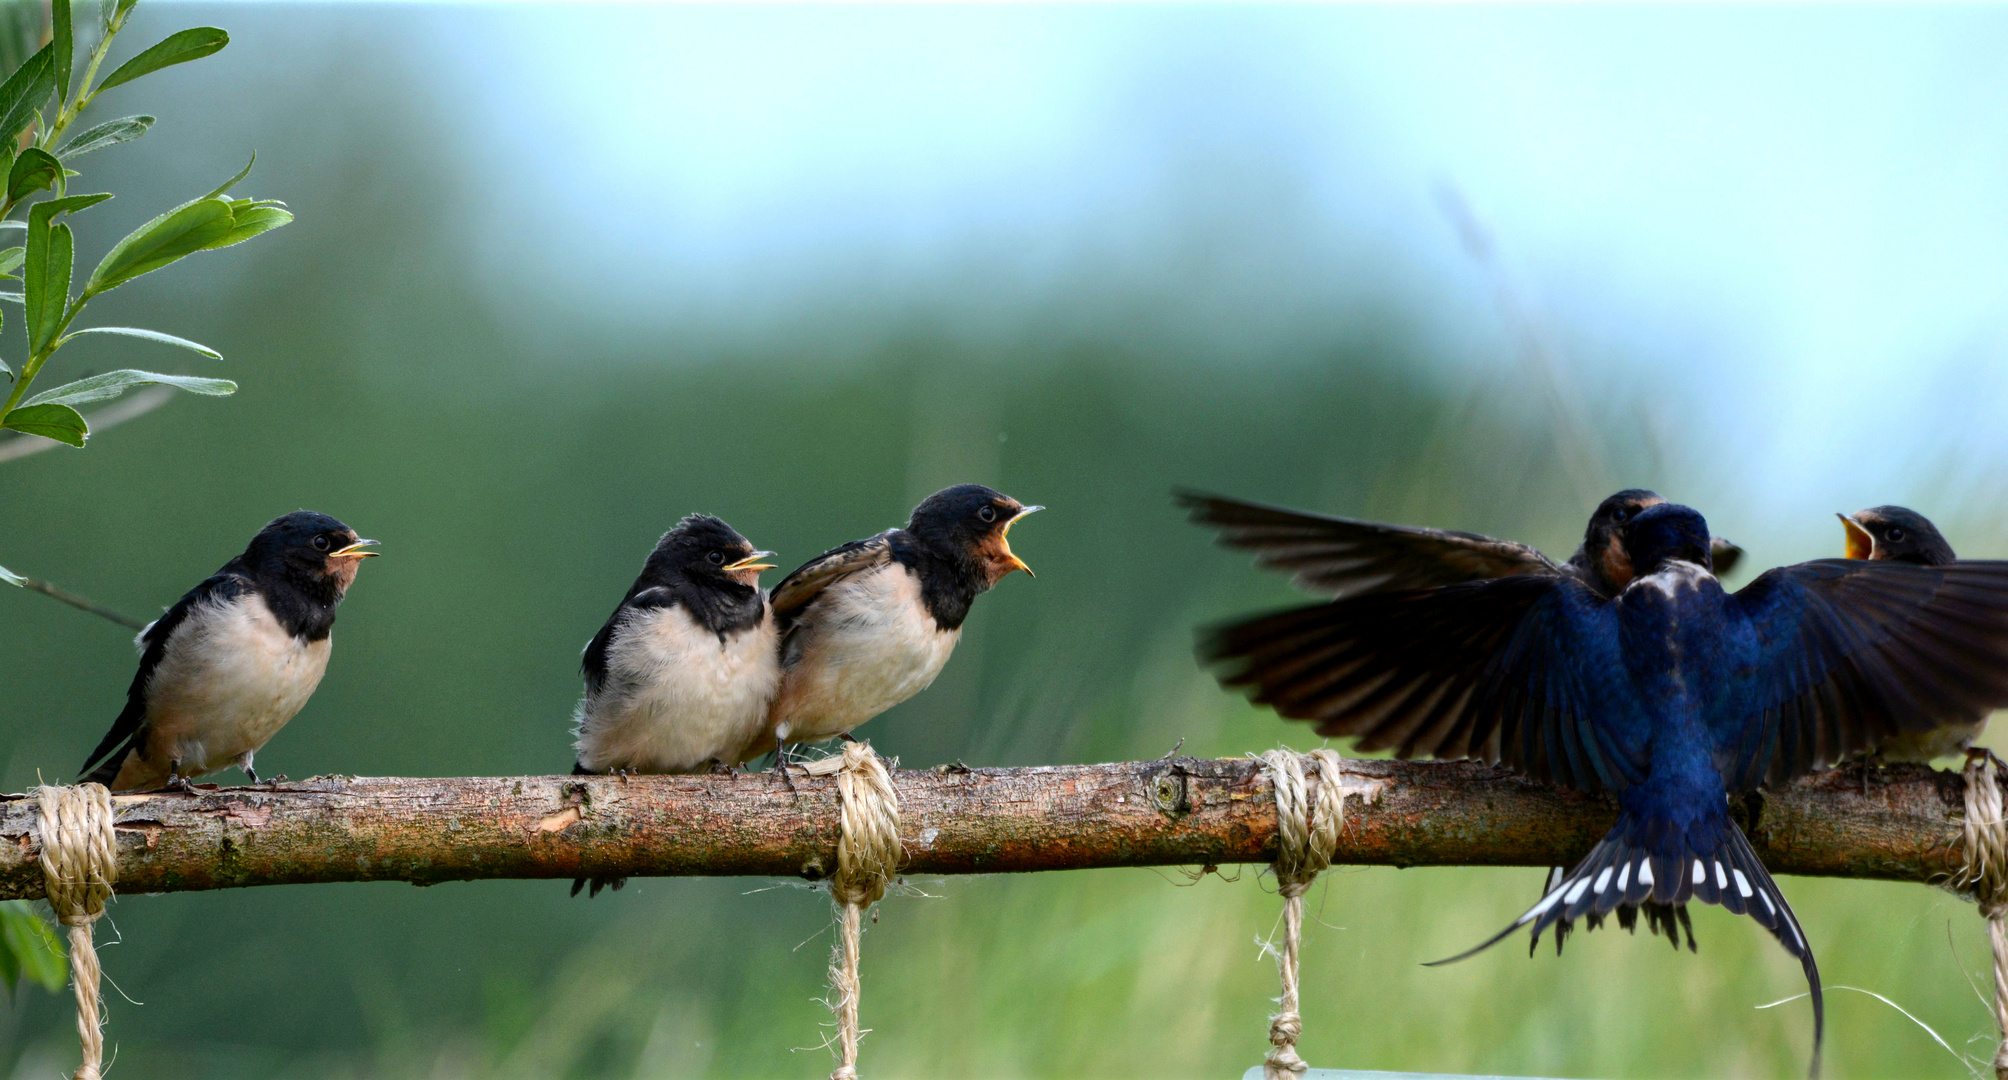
(1700, 873)
(1742, 883)
(1536, 911)
(1767, 904)
(1624, 876)
(1721, 878)
(1603, 879)
(1645, 872)
(1576, 891)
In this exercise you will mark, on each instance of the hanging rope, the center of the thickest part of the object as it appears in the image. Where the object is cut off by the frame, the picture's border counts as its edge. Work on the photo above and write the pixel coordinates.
(79, 866)
(1307, 833)
(868, 855)
(1985, 842)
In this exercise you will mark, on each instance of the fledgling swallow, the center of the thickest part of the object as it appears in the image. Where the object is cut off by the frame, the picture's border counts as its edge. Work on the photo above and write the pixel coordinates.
(869, 624)
(680, 678)
(233, 659)
(1671, 696)
(1898, 534)
(1342, 557)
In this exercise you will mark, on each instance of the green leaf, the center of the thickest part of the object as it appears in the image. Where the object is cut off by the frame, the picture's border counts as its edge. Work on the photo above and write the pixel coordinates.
(232, 182)
(50, 421)
(35, 170)
(46, 277)
(63, 41)
(11, 578)
(250, 221)
(109, 133)
(10, 260)
(28, 943)
(178, 48)
(150, 335)
(24, 92)
(113, 383)
(184, 230)
(115, 14)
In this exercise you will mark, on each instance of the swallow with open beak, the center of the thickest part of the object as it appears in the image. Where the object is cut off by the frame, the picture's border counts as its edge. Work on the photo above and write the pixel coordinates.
(869, 624)
(1899, 534)
(1343, 557)
(680, 677)
(232, 660)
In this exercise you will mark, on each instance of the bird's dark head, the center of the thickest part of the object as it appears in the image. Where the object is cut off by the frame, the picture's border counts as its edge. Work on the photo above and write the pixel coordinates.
(1895, 533)
(972, 522)
(1603, 545)
(703, 548)
(311, 549)
(1665, 533)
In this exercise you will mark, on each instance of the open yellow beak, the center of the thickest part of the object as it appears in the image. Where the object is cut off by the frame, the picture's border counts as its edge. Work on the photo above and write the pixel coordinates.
(752, 562)
(351, 551)
(1861, 545)
(1002, 534)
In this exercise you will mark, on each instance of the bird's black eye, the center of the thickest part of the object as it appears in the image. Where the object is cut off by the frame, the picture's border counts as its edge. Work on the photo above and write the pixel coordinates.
(1894, 534)
(987, 514)
(321, 543)
(717, 558)
(1622, 514)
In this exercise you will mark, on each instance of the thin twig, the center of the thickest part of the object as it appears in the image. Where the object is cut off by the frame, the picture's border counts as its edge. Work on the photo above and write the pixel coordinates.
(81, 604)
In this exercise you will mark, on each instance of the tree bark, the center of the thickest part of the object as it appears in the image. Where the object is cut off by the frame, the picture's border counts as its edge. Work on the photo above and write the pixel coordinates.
(1181, 811)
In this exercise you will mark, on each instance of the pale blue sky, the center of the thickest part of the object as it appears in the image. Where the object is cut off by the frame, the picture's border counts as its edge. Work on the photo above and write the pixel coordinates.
(1796, 215)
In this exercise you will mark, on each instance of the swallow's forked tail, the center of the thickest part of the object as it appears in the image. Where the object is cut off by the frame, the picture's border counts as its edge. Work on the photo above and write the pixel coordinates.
(1625, 874)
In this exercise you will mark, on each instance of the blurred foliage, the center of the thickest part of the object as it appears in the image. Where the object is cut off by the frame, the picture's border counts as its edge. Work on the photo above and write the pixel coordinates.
(523, 455)
(29, 949)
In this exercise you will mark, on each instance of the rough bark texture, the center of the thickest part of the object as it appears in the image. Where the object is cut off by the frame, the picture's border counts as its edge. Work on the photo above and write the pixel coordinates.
(1183, 811)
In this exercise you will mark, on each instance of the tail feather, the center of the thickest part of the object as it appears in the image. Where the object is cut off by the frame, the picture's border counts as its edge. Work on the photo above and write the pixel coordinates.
(1627, 874)
(108, 769)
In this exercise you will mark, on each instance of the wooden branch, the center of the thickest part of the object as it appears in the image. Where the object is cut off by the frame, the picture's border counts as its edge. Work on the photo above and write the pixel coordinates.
(1182, 811)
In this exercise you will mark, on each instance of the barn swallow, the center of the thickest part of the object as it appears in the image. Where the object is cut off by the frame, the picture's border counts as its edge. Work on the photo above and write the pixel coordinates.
(1342, 557)
(1899, 534)
(869, 624)
(233, 659)
(1671, 696)
(680, 677)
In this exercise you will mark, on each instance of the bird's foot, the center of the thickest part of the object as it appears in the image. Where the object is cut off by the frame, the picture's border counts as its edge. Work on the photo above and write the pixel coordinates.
(273, 781)
(1978, 753)
(719, 768)
(781, 768)
(845, 736)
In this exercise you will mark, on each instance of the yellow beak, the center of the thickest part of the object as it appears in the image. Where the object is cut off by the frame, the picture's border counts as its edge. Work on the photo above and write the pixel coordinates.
(1016, 562)
(1861, 545)
(752, 562)
(350, 552)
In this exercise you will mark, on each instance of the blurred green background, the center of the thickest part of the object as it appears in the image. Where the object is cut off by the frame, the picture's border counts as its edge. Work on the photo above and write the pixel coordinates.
(561, 275)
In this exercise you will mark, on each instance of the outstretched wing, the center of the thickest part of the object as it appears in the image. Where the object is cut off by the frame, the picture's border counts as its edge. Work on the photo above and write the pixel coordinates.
(1838, 654)
(800, 589)
(1500, 670)
(152, 641)
(1342, 557)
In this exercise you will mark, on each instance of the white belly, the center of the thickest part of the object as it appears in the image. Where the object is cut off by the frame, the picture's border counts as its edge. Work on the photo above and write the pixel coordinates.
(230, 679)
(675, 699)
(870, 646)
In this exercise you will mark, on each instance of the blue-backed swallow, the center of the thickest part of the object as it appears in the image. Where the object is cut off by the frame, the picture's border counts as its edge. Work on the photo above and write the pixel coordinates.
(680, 678)
(869, 624)
(1671, 696)
(1340, 557)
(233, 659)
(1900, 534)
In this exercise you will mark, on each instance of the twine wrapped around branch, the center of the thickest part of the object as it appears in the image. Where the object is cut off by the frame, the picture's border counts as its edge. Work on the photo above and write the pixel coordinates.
(80, 865)
(868, 855)
(1308, 820)
(1984, 840)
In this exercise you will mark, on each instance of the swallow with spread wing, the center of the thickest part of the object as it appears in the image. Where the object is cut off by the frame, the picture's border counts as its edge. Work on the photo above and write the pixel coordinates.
(1670, 696)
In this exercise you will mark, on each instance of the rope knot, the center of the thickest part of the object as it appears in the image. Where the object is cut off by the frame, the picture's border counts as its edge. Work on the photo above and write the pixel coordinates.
(1984, 842)
(868, 856)
(1308, 820)
(80, 864)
